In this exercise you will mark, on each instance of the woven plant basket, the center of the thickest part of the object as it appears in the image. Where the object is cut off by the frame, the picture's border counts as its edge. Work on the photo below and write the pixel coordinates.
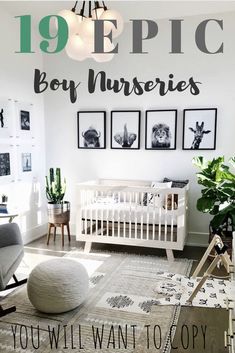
(59, 213)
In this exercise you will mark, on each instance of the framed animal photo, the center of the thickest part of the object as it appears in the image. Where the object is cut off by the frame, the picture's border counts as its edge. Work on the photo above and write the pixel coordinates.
(91, 127)
(160, 129)
(24, 121)
(199, 129)
(125, 129)
(6, 118)
(26, 162)
(7, 163)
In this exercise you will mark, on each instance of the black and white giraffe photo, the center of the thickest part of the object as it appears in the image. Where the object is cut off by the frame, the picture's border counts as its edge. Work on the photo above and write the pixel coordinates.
(199, 129)
(125, 129)
(91, 127)
(26, 162)
(160, 129)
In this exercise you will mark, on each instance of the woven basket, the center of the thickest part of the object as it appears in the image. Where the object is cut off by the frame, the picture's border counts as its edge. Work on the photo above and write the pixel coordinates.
(59, 213)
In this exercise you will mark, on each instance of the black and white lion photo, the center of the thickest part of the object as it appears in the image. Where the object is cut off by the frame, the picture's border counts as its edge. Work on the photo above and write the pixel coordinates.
(161, 136)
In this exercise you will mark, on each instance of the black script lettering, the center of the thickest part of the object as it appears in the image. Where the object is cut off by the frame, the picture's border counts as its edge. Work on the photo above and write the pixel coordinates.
(38, 337)
(40, 85)
(14, 329)
(111, 339)
(122, 337)
(98, 337)
(133, 334)
(23, 336)
(173, 328)
(204, 335)
(54, 336)
(185, 333)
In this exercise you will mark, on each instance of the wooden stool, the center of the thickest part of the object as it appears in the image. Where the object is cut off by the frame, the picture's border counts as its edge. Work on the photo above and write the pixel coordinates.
(55, 225)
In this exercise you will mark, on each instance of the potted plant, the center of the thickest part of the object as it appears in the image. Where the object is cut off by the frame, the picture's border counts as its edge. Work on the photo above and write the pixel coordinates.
(218, 195)
(58, 210)
(4, 198)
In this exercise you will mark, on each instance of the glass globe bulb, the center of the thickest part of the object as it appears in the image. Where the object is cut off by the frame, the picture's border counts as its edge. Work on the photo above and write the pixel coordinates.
(96, 13)
(104, 57)
(72, 20)
(86, 30)
(76, 48)
(108, 26)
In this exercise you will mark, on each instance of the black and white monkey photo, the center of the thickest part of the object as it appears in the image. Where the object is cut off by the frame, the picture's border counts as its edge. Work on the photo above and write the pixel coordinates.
(161, 136)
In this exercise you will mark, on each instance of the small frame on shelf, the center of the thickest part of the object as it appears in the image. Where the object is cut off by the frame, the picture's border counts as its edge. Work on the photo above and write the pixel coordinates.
(24, 121)
(91, 127)
(7, 163)
(6, 118)
(26, 162)
(199, 129)
(125, 129)
(160, 129)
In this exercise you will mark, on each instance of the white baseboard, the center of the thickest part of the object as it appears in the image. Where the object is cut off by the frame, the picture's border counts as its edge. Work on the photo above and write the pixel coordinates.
(34, 233)
(197, 239)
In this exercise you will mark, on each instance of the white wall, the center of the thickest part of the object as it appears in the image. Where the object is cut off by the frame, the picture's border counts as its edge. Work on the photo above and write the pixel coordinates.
(216, 72)
(16, 82)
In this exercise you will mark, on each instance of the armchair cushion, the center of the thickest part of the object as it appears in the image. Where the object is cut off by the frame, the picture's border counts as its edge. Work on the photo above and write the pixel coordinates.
(10, 258)
(10, 235)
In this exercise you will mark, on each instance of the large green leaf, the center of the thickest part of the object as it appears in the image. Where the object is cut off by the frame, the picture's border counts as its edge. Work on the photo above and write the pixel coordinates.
(205, 204)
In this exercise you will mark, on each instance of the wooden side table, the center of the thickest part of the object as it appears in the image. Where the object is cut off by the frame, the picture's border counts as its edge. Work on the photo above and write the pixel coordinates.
(54, 226)
(10, 216)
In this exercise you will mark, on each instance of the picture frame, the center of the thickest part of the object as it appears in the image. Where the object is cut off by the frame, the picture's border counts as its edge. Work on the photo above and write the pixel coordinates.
(6, 118)
(26, 164)
(24, 121)
(199, 129)
(7, 163)
(91, 129)
(160, 129)
(125, 129)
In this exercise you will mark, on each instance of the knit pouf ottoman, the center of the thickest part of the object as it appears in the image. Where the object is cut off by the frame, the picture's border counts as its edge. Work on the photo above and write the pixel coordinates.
(58, 285)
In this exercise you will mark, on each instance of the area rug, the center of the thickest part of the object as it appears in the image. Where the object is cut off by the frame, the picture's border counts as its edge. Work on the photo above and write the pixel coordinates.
(176, 290)
(118, 315)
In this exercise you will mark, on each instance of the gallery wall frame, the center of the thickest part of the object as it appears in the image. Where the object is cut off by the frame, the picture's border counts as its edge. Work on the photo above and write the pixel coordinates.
(7, 163)
(24, 121)
(6, 118)
(91, 129)
(26, 162)
(199, 129)
(125, 129)
(160, 129)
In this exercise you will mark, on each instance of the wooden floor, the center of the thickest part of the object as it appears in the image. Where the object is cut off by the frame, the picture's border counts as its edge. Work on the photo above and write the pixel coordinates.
(213, 321)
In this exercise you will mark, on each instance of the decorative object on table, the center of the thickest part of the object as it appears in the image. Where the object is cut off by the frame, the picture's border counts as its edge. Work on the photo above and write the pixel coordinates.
(199, 129)
(160, 129)
(58, 210)
(58, 285)
(3, 208)
(4, 198)
(218, 196)
(6, 118)
(81, 27)
(24, 121)
(11, 254)
(125, 129)
(7, 153)
(91, 129)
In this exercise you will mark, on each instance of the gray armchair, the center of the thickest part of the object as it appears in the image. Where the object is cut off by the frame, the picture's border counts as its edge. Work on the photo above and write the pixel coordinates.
(11, 254)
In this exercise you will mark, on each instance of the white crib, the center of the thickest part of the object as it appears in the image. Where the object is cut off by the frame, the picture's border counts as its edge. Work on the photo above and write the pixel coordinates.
(131, 212)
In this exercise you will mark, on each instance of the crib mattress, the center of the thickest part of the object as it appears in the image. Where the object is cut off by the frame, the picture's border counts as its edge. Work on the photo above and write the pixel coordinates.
(129, 212)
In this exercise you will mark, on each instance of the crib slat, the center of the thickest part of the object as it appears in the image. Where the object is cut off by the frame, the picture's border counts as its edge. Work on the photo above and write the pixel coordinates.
(154, 215)
(172, 215)
(119, 198)
(130, 212)
(159, 219)
(113, 215)
(165, 217)
(147, 220)
(124, 215)
(107, 217)
(96, 214)
(85, 213)
(141, 217)
(102, 216)
(136, 210)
